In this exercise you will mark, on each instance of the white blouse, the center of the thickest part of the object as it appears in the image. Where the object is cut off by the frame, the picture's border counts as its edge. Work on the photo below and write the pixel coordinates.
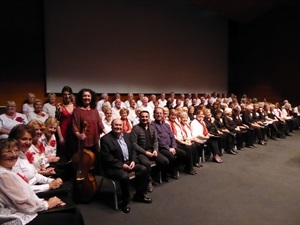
(50, 146)
(33, 116)
(27, 108)
(197, 130)
(49, 109)
(37, 157)
(17, 199)
(8, 123)
(37, 181)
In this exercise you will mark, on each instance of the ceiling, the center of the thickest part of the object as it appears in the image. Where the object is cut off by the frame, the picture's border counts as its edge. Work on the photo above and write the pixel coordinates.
(243, 11)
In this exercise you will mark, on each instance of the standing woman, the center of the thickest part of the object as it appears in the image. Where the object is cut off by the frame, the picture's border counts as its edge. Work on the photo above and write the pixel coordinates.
(20, 205)
(63, 114)
(86, 122)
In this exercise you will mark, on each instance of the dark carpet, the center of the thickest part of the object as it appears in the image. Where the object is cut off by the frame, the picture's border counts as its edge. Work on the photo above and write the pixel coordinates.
(258, 186)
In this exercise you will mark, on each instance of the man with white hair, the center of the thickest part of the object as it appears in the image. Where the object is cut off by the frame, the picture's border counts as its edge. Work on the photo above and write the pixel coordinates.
(127, 102)
(104, 99)
(287, 115)
(162, 101)
(116, 109)
(146, 107)
(152, 102)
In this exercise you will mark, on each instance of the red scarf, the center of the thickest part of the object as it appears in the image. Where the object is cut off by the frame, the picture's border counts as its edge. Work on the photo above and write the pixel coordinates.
(205, 131)
(126, 126)
(172, 124)
(23, 177)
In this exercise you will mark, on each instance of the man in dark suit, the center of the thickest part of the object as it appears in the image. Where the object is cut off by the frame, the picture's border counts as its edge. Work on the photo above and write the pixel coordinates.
(119, 158)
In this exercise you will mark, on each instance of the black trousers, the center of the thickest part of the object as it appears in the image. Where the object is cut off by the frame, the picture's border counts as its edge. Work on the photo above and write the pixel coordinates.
(174, 160)
(140, 181)
(66, 217)
(160, 160)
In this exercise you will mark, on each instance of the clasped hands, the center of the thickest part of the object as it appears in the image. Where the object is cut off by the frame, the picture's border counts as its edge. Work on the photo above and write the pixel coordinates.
(129, 167)
(151, 154)
(55, 202)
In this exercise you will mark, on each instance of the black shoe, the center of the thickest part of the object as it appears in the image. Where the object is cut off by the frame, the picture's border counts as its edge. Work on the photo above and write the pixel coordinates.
(174, 175)
(232, 152)
(141, 198)
(125, 208)
(262, 143)
(165, 179)
(192, 172)
(198, 165)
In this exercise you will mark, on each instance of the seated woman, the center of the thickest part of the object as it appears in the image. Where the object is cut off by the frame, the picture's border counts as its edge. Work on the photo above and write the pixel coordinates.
(200, 131)
(48, 141)
(234, 128)
(287, 115)
(187, 139)
(251, 123)
(227, 139)
(50, 106)
(272, 122)
(248, 132)
(36, 152)
(19, 204)
(191, 113)
(181, 141)
(38, 113)
(127, 123)
(27, 107)
(107, 120)
(258, 116)
(24, 134)
(10, 118)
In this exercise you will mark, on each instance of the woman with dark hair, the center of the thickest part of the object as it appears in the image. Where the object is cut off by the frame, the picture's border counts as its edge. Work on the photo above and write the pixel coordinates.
(24, 135)
(86, 123)
(63, 114)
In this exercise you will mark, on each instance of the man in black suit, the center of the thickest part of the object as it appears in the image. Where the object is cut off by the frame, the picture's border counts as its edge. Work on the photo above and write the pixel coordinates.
(119, 158)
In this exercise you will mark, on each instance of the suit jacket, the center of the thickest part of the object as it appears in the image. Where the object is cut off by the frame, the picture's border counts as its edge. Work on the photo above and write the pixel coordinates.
(229, 123)
(111, 152)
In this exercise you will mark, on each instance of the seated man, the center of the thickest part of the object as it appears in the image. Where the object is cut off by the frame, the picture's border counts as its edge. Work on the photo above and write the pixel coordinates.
(144, 139)
(118, 159)
(167, 144)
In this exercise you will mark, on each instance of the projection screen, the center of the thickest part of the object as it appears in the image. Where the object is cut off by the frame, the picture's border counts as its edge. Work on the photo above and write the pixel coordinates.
(136, 46)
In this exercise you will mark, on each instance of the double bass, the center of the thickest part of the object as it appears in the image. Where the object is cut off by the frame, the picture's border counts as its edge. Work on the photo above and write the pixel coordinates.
(84, 185)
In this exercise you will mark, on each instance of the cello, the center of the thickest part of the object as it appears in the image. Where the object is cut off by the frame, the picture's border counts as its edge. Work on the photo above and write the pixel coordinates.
(85, 185)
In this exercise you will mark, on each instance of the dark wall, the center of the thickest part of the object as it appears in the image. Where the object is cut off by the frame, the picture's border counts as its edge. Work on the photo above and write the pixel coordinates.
(263, 62)
(22, 54)
(265, 56)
